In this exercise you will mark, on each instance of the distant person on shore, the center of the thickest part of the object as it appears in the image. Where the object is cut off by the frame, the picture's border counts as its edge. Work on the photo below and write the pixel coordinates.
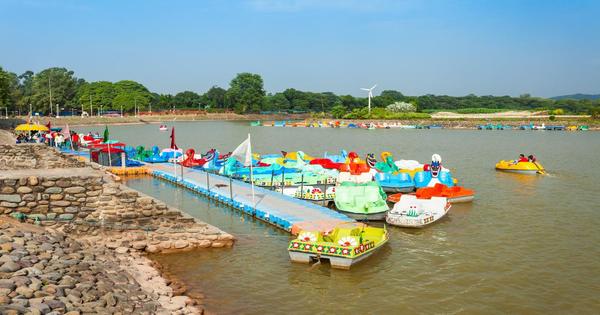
(75, 140)
(59, 140)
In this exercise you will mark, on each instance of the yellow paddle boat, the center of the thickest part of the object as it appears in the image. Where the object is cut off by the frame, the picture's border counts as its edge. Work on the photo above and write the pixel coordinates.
(520, 167)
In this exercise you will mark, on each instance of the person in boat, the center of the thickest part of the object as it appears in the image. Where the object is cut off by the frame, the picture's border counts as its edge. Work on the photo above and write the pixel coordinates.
(532, 158)
(521, 158)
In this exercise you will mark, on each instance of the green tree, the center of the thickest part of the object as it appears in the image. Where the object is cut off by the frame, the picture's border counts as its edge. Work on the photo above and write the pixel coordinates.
(5, 94)
(246, 93)
(215, 97)
(56, 86)
(187, 99)
(96, 95)
(129, 93)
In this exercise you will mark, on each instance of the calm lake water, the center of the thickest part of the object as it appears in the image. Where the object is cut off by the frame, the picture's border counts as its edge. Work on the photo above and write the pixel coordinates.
(527, 244)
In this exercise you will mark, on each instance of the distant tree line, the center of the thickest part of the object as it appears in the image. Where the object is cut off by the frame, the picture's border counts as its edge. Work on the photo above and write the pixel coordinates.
(245, 94)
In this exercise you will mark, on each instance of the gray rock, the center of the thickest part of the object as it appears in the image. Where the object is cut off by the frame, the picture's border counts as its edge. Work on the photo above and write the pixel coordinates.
(74, 190)
(66, 216)
(7, 284)
(54, 304)
(10, 198)
(53, 190)
(10, 266)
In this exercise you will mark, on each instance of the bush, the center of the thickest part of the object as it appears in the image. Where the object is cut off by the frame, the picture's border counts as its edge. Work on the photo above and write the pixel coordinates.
(558, 111)
(338, 111)
(401, 107)
(382, 113)
(552, 118)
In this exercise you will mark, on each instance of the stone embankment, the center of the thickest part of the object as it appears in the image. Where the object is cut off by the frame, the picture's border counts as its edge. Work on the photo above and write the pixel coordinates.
(108, 224)
(44, 272)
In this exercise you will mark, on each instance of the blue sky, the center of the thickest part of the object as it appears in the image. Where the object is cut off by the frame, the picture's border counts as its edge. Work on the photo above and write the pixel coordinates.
(452, 47)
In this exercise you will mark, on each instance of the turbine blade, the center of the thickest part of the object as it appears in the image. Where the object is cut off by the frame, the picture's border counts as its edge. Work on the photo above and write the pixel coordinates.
(374, 86)
(364, 89)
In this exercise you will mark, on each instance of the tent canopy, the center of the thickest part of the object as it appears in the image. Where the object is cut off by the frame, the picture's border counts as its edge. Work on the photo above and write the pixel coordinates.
(31, 127)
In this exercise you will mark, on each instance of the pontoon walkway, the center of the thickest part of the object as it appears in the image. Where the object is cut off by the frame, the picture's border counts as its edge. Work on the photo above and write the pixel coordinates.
(282, 211)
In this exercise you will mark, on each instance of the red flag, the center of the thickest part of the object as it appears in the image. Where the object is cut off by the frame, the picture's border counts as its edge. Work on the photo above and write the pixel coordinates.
(173, 145)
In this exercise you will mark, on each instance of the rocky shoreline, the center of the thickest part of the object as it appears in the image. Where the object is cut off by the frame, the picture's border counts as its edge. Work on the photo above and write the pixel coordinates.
(80, 242)
(44, 271)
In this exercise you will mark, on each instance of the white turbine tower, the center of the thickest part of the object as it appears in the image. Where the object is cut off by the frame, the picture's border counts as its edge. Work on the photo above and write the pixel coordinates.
(370, 95)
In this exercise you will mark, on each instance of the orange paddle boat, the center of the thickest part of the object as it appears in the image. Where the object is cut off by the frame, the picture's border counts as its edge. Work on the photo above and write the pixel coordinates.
(454, 194)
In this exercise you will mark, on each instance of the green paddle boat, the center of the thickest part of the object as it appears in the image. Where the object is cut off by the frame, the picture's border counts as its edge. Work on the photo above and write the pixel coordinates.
(361, 200)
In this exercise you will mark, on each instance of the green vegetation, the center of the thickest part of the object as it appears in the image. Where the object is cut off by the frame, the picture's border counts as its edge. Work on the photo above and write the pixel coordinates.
(246, 94)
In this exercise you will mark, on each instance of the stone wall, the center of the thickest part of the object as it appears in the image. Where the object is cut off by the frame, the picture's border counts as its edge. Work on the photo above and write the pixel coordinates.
(34, 156)
(88, 202)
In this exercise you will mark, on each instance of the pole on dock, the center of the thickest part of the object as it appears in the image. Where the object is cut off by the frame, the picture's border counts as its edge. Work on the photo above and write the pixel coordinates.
(230, 188)
(325, 192)
(302, 186)
(272, 174)
(282, 179)
(207, 182)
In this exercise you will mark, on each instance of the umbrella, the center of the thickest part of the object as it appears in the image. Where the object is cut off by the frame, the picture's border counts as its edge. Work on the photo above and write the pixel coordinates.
(30, 127)
(105, 134)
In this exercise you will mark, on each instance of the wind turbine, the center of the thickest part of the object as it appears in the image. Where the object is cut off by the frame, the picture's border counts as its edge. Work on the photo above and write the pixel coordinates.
(370, 95)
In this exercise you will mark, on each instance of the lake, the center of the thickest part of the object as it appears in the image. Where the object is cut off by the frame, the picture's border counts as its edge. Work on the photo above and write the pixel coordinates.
(527, 244)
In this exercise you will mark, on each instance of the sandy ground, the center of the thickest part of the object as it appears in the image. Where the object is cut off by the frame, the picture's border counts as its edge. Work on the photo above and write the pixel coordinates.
(6, 137)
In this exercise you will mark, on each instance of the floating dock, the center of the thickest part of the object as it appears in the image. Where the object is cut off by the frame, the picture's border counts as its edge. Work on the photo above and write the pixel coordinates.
(290, 214)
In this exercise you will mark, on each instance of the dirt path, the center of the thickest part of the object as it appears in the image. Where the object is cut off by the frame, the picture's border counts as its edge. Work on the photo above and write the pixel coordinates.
(6, 137)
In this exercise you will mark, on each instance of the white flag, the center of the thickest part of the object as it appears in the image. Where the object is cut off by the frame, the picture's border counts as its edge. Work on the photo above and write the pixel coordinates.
(243, 153)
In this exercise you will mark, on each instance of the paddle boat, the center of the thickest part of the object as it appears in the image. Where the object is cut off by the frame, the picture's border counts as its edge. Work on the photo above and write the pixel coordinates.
(583, 128)
(172, 153)
(361, 201)
(454, 194)
(520, 167)
(255, 123)
(433, 173)
(192, 160)
(141, 153)
(395, 182)
(417, 213)
(156, 156)
(346, 245)
(309, 192)
(163, 128)
(341, 158)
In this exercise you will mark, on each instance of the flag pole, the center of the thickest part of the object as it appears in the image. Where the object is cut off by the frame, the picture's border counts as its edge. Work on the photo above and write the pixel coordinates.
(251, 177)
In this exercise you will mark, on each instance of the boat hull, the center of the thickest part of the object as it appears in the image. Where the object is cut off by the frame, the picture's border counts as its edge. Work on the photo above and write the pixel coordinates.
(379, 216)
(336, 262)
(389, 189)
(418, 223)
